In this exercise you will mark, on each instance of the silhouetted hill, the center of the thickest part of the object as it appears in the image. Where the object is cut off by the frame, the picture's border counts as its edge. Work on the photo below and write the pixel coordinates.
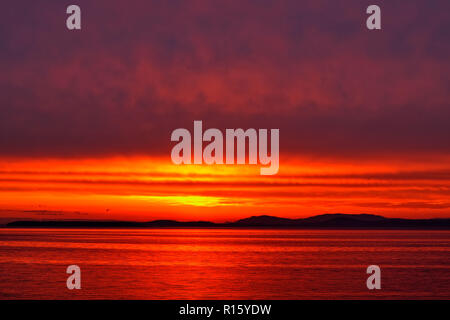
(340, 220)
(333, 216)
(108, 224)
(332, 221)
(264, 221)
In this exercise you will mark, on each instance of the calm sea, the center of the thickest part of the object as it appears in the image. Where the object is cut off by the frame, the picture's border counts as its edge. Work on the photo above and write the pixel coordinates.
(223, 264)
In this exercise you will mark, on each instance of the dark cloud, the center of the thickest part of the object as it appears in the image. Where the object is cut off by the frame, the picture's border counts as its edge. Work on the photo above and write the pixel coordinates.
(140, 69)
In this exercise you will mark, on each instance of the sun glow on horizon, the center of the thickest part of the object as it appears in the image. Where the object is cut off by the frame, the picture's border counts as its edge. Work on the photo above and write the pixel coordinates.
(138, 188)
(197, 201)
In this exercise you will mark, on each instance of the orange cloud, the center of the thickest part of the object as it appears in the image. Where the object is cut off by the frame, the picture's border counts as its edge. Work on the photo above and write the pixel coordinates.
(153, 188)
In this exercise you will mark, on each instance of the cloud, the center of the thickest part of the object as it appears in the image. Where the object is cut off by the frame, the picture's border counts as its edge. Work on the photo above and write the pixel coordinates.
(138, 70)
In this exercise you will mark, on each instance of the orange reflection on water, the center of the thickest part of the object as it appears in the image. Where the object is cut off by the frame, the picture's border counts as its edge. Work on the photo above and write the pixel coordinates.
(223, 263)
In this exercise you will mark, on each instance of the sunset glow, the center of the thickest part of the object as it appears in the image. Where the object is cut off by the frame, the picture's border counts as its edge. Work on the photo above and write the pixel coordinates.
(154, 188)
(86, 116)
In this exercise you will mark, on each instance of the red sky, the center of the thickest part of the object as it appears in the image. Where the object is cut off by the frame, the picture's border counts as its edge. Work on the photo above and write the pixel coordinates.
(86, 116)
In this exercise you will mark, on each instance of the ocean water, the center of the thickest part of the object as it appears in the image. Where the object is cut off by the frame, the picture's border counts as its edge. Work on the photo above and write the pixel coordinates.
(223, 264)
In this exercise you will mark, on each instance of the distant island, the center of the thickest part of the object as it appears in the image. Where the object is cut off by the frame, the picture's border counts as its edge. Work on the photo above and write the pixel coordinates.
(324, 221)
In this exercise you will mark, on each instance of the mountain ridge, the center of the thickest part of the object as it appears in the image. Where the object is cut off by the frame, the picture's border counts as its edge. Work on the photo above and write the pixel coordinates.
(329, 220)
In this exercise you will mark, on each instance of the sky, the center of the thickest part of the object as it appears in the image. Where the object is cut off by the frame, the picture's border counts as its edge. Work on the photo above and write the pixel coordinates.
(86, 116)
